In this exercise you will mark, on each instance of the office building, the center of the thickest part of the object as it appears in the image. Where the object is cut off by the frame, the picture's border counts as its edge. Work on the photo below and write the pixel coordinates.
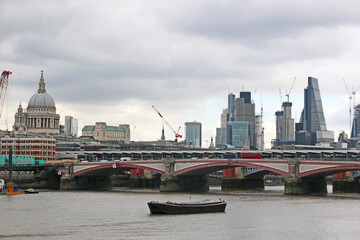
(241, 134)
(285, 134)
(193, 136)
(102, 132)
(238, 127)
(74, 127)
(259, 133)
(245, 113)
(71, 126)
(221, 133)
(40, 148)
(311, 130)
(355, 130)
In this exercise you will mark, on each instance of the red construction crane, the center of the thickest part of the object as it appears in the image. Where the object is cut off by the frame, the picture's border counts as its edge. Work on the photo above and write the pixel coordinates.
(177, 135)
(3, 87)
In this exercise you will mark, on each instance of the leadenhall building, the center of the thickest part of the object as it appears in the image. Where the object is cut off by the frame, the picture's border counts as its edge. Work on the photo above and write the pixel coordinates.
(40, 116)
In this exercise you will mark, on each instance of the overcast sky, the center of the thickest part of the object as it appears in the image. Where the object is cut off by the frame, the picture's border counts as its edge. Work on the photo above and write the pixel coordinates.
(112, 60)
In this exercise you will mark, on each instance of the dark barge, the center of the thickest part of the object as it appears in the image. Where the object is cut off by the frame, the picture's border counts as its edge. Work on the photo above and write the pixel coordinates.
(205, 206)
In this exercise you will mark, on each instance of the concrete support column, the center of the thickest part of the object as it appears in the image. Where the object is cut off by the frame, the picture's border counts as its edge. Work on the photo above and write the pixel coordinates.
(294, 185)
(169, 167)
(346, 186)
(232, 183)
(195, 183)
(85, 183)
(305, 186)
(69, 169)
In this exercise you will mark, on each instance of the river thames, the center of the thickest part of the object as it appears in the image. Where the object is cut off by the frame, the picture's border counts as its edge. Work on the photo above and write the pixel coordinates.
(123, 214)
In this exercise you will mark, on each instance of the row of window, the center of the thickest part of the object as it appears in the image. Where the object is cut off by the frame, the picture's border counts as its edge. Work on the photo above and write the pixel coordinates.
(41, 153)
(27, 141)
(27, 147)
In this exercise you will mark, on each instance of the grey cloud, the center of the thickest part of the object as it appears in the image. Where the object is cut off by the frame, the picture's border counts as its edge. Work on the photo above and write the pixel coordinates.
(172, 53)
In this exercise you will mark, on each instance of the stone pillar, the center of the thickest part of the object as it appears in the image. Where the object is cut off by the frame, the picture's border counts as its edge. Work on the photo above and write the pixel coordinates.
(187, 183)
(169, 167)
(294, 185)
(229, 183)
(85, 183)
(68, 181)
(346, 186)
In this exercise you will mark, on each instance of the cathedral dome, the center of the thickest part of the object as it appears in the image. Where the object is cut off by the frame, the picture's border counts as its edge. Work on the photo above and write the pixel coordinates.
(41, 99)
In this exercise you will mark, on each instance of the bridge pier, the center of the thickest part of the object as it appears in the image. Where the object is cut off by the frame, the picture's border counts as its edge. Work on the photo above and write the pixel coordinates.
(233, 183)
(85, 183)
(305, 186)
(233, 180)
(143, 182)
(187, 183)
(346, 186)
(295, 185)
(88, 182)
(183, 183)
(120, 180)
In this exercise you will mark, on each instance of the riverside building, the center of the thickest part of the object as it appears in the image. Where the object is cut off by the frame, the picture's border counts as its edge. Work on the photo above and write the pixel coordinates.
(102, 132)
(40, 148)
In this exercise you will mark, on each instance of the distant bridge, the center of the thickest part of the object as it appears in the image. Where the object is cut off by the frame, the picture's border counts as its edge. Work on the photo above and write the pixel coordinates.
(305, 168)
(111, 155)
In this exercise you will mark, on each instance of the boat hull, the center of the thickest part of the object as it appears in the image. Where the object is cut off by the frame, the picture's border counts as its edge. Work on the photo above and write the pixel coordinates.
(30, 192)
(14, 193)
(186, 208)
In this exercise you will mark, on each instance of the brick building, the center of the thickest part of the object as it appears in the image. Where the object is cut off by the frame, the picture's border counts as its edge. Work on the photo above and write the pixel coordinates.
(40, 148)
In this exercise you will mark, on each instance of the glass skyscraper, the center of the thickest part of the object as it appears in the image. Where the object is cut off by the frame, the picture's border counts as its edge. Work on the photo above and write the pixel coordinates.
(311, 129)
(238, 123)
(241, 134)
(193, 134)
(356, 123)
(71, 126)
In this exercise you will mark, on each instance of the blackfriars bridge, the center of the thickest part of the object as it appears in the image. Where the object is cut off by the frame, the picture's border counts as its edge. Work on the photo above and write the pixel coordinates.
(301, 176)
(304, 171)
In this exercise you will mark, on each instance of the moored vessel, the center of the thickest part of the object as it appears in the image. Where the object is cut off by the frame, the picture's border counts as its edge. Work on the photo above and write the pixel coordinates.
(31, 191)
(205, 206)
(11, 188)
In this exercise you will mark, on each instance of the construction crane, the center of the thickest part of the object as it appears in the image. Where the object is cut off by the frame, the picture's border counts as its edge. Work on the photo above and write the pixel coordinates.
(177, 135)
(353, 95)
(281, 101)
(3, 87)
(132, 132)
(350, 98)
(288, 93)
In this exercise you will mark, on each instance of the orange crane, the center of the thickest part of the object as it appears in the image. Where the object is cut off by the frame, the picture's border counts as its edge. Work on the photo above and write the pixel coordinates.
(3, 87)
(177, 135)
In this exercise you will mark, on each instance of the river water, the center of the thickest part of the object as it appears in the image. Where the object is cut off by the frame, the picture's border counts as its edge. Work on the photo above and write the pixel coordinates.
(123, 214)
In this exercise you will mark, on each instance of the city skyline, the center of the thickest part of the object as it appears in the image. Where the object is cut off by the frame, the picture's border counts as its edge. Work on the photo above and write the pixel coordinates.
(182, 58)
